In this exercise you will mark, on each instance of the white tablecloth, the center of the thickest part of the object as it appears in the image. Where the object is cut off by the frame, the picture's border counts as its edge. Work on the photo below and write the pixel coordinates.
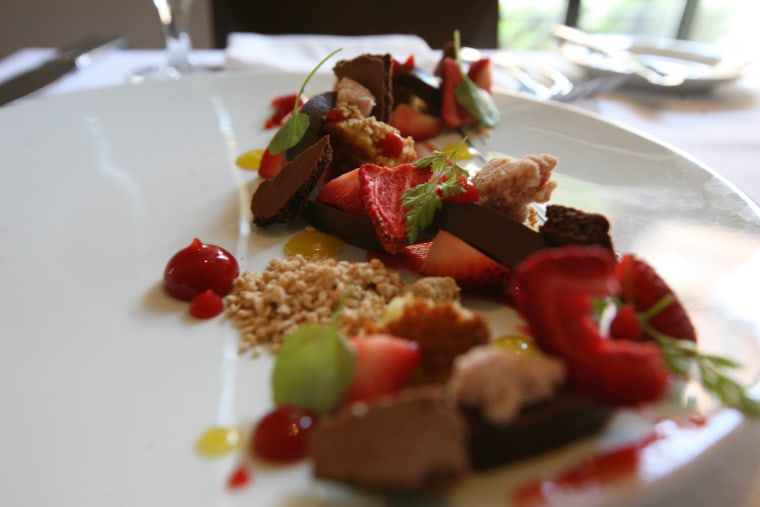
(721, 129)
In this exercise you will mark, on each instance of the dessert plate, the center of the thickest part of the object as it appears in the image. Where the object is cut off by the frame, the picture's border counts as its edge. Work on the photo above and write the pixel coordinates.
(703, 66)
(108, 383)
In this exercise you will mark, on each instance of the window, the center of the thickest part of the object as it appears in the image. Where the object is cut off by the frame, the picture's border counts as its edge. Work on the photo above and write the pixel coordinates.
(527, 24)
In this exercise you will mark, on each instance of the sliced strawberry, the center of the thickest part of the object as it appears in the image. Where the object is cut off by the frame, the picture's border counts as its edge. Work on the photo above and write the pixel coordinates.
(468, 194)
(344, 193)
(415, 255)
(411, 258)
(452, 113)
(335, 115)
(555, 297)
(450, 256)
(381, 189)
(414, 123)
(283, 106)
(626, 324)
(644, 288)
(407, 64)
(270, 165)
(391, 145)
(384, 365)
(481, 73)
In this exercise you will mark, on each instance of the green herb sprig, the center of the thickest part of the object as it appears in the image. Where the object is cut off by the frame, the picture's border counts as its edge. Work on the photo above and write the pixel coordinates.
(477, 101)
(294, 129)
(681, 356)
(422, 202)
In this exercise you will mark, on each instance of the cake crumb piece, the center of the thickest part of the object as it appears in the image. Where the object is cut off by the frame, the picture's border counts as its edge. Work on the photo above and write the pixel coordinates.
(436, 288)
(500, 382)
(511, 185)
(443, 330)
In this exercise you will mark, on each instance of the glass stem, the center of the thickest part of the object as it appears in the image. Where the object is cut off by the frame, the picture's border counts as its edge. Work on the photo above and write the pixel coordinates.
(175, 16)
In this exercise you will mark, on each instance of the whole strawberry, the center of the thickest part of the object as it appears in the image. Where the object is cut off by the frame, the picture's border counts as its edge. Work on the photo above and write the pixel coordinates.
(556, 293)
(646, 291)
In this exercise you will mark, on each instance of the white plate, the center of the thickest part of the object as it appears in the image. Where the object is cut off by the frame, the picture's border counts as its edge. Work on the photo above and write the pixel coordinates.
(107, 383)
(703, 66)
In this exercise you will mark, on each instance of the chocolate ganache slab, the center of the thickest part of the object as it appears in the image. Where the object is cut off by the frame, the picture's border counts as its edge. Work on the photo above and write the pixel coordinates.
(489, 230)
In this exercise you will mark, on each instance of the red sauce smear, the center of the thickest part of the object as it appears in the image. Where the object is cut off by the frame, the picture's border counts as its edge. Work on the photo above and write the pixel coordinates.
(239, 477)
(593, 472)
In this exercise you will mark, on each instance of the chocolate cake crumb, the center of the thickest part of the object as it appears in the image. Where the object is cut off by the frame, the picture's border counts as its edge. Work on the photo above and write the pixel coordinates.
(570, 226)
(416, 439)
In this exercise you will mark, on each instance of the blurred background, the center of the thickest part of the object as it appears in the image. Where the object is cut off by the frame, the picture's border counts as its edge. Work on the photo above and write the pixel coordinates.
(523, 24)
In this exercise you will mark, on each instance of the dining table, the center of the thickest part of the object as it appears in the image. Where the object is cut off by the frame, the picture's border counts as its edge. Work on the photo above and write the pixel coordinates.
(718, 128)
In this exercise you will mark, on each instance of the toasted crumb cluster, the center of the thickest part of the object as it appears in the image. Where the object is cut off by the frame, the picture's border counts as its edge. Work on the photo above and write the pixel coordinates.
(438, 289)
(511, 185)
(265, 307)
(357, 139)
(443, 330)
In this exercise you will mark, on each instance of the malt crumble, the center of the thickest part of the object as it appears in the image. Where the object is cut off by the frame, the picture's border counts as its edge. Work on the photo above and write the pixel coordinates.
(265, 307)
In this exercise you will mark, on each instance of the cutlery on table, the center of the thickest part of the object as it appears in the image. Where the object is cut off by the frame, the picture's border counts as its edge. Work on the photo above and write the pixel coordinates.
(77, 56)
(628, 60)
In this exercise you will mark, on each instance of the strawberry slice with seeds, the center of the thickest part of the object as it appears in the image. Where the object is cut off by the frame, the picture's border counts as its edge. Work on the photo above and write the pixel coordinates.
(384, 365)
(450, 256)
(555, 294)
(382, 189)
(413, 123)
(643, 288)
(344, 192)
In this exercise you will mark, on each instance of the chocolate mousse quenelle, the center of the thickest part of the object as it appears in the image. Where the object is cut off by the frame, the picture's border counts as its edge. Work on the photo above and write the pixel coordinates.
(421, 394)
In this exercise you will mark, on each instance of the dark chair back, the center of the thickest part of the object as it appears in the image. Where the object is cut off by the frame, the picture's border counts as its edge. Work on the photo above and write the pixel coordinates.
(476, 20)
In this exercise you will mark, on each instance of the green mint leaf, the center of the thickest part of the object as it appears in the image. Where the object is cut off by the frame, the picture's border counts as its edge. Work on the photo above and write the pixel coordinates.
(478, 102)
(314, 368)
(294, 129)
(289, 134)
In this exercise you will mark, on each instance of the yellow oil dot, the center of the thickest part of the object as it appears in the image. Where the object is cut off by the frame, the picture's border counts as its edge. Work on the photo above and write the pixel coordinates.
(517, 344)
(463, 152)
(312, 242)
(250, 160)
(218, 440)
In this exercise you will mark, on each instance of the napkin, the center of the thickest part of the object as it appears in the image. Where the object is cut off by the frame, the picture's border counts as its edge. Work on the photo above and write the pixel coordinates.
(301, 53)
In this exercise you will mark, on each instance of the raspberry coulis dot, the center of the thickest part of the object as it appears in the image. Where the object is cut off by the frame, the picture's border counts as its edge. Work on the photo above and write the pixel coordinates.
(198, 268)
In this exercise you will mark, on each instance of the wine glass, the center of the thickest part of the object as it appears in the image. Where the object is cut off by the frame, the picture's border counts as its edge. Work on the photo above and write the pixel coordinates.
(179, 61)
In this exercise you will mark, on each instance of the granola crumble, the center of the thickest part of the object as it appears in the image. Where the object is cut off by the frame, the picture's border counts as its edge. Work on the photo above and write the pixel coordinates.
(265, 307)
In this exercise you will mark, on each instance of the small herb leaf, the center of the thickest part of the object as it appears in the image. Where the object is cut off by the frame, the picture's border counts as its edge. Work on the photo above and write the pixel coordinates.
(289, 134)
(314, 368)
(294, 129)
(478, 102)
